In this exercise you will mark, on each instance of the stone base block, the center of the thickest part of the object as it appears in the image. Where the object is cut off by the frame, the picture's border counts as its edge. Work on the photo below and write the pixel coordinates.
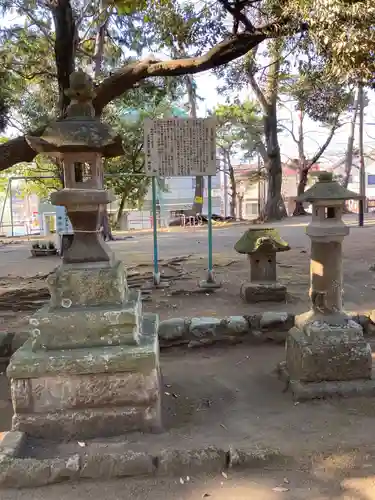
(89, 423)
(98, 326)
(88, 285)
(263, 292)
(87, 392)
(323, 353)
(319, 390)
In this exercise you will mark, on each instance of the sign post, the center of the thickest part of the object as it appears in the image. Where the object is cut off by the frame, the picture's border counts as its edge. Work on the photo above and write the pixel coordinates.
(155, 234)
(210, 277)
(181, 147)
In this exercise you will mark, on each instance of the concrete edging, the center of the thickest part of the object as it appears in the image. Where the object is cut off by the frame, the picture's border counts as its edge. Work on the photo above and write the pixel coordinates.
(16, 472)
(270, 326)
(203, 331)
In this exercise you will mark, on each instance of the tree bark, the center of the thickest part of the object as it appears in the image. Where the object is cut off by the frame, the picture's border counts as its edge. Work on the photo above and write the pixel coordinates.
(65, 45)
(350, 144)
(303, 168)
(274, 208)
(302, 183)
(120, 209)
(199, 179)
(233, 187)
(100, 38)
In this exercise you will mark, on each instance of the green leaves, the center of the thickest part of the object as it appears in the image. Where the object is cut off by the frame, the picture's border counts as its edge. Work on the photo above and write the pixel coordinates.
(239, 127)
(128, 7)
(126, 116)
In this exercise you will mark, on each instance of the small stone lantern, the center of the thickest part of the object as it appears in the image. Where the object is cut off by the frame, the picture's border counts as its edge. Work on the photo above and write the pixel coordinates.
(325, 350)
(261, 246)
(80, 141)
(90, 367)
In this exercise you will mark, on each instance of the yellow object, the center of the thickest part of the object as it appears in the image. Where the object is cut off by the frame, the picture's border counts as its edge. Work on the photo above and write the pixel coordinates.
(198, 199)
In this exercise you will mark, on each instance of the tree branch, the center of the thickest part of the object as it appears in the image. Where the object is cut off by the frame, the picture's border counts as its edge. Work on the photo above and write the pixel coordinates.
(321, 150)
(254, 84)
(17, 150)
(236, 10)
(291, 132)
(223, 53)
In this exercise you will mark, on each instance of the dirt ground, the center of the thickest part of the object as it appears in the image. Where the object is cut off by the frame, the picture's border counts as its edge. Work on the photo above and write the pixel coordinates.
(352, 479)
(226, 395)
(233, 397)
(23, 289)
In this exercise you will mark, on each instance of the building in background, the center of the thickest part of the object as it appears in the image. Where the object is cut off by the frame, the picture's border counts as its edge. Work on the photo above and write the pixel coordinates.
(253, 195)
(176, 197)
(354, 180)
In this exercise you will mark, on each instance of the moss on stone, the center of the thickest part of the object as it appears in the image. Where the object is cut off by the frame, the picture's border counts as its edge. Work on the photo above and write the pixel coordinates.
(261, 240)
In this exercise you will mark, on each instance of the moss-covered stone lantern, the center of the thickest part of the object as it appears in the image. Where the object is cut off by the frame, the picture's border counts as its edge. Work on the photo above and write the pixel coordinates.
(91, 365)
(80, 141)
(325, 350)
(261, 246)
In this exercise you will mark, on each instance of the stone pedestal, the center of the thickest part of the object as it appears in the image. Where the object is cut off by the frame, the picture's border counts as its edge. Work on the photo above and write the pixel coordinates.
(91, 367)
(263, 292)
(327, 355)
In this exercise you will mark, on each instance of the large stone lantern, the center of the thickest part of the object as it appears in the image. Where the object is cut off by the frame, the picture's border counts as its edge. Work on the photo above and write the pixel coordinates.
(325, 350)
(80, 141)
(91, 365)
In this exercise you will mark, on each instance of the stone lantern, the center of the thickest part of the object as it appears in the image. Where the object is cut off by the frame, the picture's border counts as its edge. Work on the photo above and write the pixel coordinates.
(80, 141)
(325, 350)
(261, 246)
(91, 365)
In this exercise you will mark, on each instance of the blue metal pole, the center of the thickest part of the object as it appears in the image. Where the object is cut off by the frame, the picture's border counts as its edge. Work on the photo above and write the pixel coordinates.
(210, 277)
(155, 233)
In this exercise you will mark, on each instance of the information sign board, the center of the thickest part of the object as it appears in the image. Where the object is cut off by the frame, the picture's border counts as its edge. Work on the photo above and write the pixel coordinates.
(177, 147)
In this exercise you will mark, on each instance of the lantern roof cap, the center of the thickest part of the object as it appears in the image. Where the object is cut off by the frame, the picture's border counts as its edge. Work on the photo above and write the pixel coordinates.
(261, 240)
(80, 130)
(327, 189)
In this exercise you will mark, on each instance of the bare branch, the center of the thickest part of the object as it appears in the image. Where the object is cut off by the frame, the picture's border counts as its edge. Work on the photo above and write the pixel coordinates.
(236, 10)
(321, 150)
(291, 132)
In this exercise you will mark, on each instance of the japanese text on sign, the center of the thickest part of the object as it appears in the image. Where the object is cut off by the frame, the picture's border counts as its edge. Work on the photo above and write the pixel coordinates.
(180, 147)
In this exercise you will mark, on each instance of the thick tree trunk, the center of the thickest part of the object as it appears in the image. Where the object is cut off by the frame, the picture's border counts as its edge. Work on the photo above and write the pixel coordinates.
(303, 168)
(274, 208)
(302, 183)
(199, 180)
(233, 188)
(65, 45)
(99, 41)
(350, 144)
(120, 209)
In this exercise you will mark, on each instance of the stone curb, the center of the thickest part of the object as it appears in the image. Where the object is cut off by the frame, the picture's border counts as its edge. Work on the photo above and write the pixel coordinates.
(205, 331)
(254, 329)
(18, 472)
